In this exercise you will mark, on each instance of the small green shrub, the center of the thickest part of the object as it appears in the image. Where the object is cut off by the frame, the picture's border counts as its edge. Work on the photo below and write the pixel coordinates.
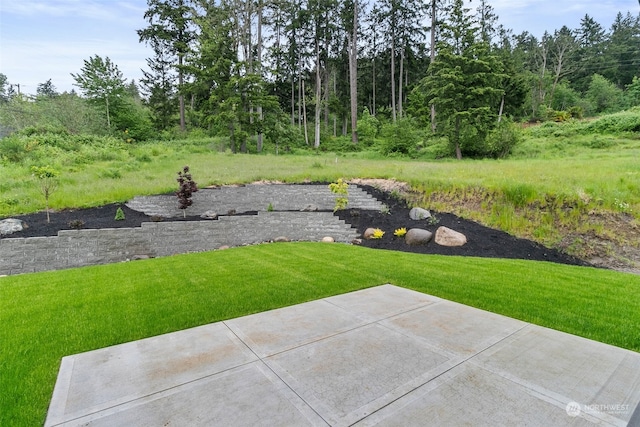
(119, 214)
(400, 232)
(377, 234)
(76, 224)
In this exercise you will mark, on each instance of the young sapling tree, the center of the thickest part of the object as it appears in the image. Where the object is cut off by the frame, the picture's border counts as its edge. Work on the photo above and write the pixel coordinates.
(186, 190)
(48, 178)
(341, 189)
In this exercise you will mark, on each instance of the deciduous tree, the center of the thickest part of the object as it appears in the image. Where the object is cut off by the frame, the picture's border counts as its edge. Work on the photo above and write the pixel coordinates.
(101, 81)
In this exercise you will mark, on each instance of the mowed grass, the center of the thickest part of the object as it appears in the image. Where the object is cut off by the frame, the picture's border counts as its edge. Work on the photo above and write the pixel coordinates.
(46, 316)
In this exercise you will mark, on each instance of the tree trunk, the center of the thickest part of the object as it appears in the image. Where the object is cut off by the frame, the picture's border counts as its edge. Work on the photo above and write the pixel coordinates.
(373, 84)
(393, 81)
(259, 136)
(353, 74)
(293, 101)
(316, 139)
(501, 109)
(304, 116)
(457, 138)
(400, 83)
(433, 57)
(183, 125)
(106, 99)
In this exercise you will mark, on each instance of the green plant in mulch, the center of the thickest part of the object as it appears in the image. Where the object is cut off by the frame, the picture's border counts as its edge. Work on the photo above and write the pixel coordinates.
(341, 189)
(186, 190)
(119, 214)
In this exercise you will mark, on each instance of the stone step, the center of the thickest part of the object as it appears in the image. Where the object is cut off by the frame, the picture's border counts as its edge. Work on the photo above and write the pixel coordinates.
(254, 197)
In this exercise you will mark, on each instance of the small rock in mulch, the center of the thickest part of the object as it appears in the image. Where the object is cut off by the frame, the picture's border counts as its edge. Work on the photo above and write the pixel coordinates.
(448, 237)
(11, 225)
(368, 233)
(209, 215)
(417, 236)
(417, 214)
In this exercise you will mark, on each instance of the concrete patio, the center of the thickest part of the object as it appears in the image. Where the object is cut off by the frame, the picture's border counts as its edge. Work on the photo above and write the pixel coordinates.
(380, 356)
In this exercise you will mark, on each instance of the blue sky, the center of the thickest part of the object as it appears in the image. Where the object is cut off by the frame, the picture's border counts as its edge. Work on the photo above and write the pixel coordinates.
(49, 39)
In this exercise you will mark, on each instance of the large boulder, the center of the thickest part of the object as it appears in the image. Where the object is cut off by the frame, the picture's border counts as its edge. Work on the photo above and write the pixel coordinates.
(448, 237)
(417, 236)
(11, 225)
(419, 213)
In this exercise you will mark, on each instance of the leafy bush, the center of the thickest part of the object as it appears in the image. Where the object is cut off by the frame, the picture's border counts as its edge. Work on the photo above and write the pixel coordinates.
(604, 95)
(625, 121)
(368, 128)
(502, 139)
(400, 138)
(12, 149)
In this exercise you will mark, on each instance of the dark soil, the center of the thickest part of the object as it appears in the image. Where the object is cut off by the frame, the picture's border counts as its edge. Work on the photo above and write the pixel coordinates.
(481, 241)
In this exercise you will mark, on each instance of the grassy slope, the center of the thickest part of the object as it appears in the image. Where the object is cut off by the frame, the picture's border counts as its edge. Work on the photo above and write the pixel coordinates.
(45, 316)
(601, 175)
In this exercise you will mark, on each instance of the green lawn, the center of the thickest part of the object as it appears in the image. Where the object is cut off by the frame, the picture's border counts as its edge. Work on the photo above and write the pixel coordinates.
(46, 316)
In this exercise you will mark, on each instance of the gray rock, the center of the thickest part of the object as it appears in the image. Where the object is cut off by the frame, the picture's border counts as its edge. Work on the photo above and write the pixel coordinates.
(419, 213)
(209, 215)
(328, 239)
(356, 242)
(282, 239)
(448, 237)
(11, 225)
(417, 236)
(310, 208)
(139, 257)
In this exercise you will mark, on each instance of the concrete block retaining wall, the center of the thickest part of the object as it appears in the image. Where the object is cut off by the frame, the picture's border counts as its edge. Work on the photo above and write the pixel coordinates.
(77, 248)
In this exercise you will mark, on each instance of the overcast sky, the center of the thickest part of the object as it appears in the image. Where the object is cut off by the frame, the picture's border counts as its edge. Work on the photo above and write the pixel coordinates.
(49, 39)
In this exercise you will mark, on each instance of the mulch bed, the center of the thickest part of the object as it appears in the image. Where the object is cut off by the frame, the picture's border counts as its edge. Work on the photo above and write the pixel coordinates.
(481, 241)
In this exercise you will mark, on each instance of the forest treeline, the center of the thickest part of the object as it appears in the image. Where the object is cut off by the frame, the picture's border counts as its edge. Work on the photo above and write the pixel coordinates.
(347, 74)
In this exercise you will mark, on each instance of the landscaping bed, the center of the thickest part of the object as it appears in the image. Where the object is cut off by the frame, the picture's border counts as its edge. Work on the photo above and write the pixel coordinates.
(481, 241)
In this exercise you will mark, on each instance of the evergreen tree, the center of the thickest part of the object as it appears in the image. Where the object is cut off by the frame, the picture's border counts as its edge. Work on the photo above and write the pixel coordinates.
(463, 83)
(623, 50)
(170, 34)
(46, 90)
(159, 87)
